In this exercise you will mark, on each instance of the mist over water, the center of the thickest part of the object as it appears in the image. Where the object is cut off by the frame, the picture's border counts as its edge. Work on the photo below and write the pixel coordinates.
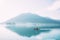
(7, 34)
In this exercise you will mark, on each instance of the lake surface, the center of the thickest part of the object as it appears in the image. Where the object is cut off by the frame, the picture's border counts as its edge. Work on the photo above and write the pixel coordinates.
(28, 33)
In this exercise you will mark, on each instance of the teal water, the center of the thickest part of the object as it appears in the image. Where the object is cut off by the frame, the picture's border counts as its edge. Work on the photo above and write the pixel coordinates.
(26, 31)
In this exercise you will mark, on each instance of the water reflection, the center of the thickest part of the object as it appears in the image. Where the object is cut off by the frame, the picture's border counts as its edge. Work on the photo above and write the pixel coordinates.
(27, 31)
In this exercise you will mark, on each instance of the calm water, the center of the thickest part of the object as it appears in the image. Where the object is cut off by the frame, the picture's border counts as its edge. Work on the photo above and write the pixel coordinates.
(28, 33)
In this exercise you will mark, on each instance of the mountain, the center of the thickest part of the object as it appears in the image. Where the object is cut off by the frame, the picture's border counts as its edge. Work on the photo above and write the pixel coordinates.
(33, 18)
(29, 18)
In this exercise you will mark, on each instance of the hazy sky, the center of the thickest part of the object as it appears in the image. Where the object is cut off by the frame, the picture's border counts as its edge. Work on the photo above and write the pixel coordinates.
(46, 8)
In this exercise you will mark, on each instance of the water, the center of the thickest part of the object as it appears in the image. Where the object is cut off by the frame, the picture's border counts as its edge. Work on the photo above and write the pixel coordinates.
(28, 33)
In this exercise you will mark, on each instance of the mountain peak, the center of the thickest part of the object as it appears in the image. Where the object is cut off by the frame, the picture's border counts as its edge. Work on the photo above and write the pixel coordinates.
(32, 18)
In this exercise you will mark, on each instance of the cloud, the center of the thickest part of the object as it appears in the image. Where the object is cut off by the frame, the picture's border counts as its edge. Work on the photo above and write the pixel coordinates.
(54, 6)
(52, 11)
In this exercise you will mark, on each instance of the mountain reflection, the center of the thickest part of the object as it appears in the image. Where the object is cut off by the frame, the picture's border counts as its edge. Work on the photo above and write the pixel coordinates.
(27, 31)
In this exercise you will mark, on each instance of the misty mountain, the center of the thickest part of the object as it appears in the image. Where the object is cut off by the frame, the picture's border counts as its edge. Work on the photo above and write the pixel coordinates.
(28, 18)
(32, 18)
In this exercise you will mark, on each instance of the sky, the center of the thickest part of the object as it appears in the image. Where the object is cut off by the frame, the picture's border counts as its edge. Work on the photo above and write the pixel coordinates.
(45, 8)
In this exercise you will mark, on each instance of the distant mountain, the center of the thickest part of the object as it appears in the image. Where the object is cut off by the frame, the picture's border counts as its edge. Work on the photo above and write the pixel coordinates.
(32, 18)
(29, 18)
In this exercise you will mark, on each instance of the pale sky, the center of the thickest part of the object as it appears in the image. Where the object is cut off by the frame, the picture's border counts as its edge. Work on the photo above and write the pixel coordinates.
(45, 8)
